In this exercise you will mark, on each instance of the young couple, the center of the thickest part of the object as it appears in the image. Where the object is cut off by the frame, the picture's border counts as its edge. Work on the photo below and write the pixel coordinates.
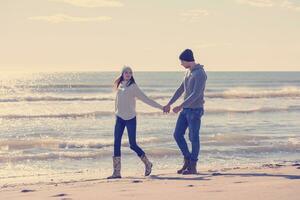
(191, 108)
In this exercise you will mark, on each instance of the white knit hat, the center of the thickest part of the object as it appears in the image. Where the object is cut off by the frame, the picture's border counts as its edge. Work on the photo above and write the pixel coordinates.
(126, 67)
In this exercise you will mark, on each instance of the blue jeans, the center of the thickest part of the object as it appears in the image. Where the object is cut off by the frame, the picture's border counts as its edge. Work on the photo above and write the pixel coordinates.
(189, 118)
(118, 133)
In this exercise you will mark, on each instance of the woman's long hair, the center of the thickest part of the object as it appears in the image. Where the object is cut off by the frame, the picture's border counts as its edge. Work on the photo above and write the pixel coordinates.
(120, 78)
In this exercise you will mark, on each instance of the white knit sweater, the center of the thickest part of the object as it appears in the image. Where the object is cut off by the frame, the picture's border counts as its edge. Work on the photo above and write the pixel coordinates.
(125, 102)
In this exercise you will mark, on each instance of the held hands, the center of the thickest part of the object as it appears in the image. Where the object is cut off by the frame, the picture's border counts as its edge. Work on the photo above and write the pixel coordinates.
(177, 109)
(167, 108)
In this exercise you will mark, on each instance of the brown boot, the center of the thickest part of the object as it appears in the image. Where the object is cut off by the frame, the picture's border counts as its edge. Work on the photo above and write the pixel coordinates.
(186, 163)
(191, 169)
(117, 168)
(148, 165)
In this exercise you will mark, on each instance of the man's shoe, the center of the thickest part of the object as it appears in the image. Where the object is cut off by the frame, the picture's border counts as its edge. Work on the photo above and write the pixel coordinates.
(186, 163)
(191, 169)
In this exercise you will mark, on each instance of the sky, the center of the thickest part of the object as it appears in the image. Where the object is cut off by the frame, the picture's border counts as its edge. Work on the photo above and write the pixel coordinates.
(149, 35)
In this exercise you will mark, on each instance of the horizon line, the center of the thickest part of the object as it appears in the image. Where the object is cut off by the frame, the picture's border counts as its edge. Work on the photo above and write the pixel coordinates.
(90, 70)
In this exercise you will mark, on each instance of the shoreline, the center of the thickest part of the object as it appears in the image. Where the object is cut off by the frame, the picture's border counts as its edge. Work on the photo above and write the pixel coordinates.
(271, 181)
(87, 175)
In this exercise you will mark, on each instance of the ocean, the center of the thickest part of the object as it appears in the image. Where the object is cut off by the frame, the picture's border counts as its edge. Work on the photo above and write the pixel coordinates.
(59, 124)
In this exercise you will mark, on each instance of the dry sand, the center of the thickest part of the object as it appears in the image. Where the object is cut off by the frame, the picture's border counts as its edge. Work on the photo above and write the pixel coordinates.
(269, 182)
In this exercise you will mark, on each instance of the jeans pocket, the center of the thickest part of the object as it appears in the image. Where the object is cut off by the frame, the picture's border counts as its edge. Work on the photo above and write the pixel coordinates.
(201, 112)
(198, 112)
(193, 114)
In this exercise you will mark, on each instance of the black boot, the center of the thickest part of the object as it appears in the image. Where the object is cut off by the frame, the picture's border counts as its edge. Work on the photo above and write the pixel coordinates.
(191, 169)
(186, 163)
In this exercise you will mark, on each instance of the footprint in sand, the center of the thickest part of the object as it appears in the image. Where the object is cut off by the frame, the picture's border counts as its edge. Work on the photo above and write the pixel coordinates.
(26, 190)
(137, 181)
(240, 182)
(60, 195)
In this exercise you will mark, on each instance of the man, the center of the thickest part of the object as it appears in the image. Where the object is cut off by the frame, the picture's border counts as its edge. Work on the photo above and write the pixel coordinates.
(193, 87)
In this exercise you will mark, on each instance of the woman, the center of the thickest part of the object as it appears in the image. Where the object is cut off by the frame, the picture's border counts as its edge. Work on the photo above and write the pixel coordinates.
(127, 92)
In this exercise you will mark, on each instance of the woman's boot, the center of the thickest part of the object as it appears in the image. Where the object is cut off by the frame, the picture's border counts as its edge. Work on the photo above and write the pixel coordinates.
(117, 168)
(148, 165)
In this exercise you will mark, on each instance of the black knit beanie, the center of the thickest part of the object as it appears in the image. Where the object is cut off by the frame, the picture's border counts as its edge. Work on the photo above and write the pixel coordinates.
(187, 55)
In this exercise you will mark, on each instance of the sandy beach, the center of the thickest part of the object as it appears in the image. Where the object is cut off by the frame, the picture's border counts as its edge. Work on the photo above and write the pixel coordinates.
(266, 182)
(91, 89)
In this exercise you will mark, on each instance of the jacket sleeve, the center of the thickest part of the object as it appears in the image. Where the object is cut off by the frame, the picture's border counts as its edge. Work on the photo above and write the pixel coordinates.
(177, 93)
(199, 86)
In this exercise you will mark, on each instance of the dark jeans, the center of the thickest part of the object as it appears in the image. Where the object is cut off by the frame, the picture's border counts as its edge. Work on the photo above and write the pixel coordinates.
(131, 129)
(189, 118)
